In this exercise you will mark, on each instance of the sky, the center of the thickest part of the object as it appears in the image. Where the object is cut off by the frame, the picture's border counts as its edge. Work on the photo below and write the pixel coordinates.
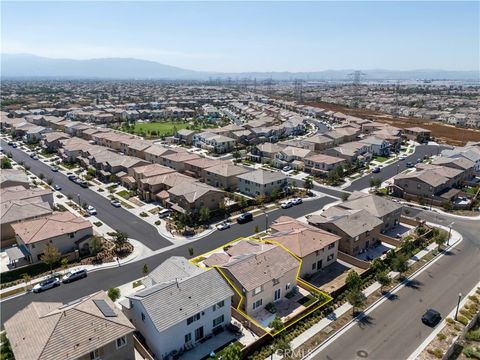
(251, 36)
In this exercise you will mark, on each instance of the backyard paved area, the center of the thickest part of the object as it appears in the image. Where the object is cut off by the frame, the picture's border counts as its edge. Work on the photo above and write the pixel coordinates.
(333, 276)
(375, 252)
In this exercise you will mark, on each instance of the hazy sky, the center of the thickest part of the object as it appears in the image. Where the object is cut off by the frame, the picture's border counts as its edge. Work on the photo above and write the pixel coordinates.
(251, 36)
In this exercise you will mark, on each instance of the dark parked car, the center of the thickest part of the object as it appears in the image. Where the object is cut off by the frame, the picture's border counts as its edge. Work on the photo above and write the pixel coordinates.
(431, 317)
(244, 218)
(376, 170)
(72, 177)
(83, 184)
(409, 165)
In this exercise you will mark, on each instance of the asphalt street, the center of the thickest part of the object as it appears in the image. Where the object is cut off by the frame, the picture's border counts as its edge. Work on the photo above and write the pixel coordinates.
(393, 169)
(394, 329)
(117, 218)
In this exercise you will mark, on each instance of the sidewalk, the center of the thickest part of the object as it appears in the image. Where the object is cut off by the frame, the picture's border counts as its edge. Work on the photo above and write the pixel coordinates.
(346, 307)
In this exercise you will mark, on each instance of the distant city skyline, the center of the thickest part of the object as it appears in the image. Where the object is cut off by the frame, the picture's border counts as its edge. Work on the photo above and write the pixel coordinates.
(251, 36)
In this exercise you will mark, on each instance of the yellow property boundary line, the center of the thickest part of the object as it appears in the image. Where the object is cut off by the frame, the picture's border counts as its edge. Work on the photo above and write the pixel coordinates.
(310, 287)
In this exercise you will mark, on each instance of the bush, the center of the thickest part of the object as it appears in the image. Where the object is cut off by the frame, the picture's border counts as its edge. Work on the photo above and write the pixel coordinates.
(114, 294)
(158, 222)
(466, 313)
(473, 335)
(16, 274)
(462, 319)
(441, 336)
(471, 352)
(438, 353)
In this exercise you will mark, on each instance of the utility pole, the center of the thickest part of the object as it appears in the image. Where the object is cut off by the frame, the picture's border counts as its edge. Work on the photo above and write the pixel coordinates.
(356, 82)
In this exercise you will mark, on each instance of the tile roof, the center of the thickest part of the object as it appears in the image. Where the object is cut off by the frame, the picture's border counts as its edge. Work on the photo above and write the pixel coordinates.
(16, 210)
(262, 176)
(376, 205)
(52, 331)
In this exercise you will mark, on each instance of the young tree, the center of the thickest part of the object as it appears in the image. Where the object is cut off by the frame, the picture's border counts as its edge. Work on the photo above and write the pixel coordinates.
(41, 176)
(95, 245)
(383, 278)
(276, 323)
(26, 279)
(356, 298)
(120, 239)
(308, 183)
(113, 294)
(27, 167)
(256, 229)
(260, 199)
(283, 347)
(64, 264)
(339, 171)
(345, 196)
(399, 263)
(375, 182)
(204, 213)
(232, 352)
(237, 156)
(190, 251)
(50, 181)
(353, 280)
(378, 266)
(274, 193)
(51, 255)
(407, 246)
(145, 270)
(441, 239)
(6, 163)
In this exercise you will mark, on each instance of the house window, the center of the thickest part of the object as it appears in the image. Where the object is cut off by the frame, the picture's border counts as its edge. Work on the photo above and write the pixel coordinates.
(331, 246)
(287, 286)
(143, 316)
(193, 318)
(188, 337)
(257, 290)
(121, 342)
(257, 304)
(219, 305)
(71, 235)
(95, 354)
(276, 282)
(218, 320)
(314, 265)
(330, 257)
(356, 238)
(277, 295)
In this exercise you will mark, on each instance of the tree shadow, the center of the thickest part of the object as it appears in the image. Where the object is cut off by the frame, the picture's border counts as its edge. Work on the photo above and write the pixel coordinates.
(389, 296)
(413, 284)
(363, 319)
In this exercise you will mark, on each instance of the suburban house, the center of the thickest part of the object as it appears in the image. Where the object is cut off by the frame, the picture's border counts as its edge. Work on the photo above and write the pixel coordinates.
(213, 142)
(320, 142)
(471, 153)
(190, 197)
(417, 134)
(64, 230)
(384, 209)
(180, 307)
(379, 146)
(261, 278)
(321, 164)
(13, 177)
(358, 229)
(224, 176)
(84, 329)
(351, 151)
(292, 156)
(197, 167)
(265, 152)
(154, 187)
(261, 182)
(51, 140)
(184, 136)
(177, 160)
(315, 247)
(154, 153)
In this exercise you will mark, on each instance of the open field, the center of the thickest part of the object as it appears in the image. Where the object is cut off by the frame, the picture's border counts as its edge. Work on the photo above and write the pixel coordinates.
(442, 132)
(166, 128)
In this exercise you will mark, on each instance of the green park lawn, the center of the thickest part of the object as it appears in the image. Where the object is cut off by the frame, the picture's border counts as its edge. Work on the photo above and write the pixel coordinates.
(167, 128)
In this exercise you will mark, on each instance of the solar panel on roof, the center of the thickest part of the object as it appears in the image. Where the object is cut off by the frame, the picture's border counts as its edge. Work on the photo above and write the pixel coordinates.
(104, 308)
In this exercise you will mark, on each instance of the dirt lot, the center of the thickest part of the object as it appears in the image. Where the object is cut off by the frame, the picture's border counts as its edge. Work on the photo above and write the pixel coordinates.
(443, 133)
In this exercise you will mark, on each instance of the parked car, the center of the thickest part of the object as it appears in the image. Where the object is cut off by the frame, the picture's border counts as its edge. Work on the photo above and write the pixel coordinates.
(116, 203)
(57, 187)
(91, 210)
(223, 225)
(46, 284)
(10, 143)
(71, 177)
(287, 168)
(409, 165)
(402, 157)
(35, 157)
(287, 204)
(244, 218)
(83, 184)
(419, 161)
(54, 168)
(297, 201)
(431, 317)
(74, 275)
(376, 170)
(164, 213)
(14, 145)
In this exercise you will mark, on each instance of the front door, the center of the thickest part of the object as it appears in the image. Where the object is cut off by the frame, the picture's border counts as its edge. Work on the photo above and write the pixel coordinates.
(277, 295)
(199, 333)
(319, 264)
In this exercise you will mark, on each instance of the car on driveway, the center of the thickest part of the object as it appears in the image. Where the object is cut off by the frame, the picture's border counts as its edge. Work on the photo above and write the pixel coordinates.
(223, 225)
(287, 168)
(244, 218)
(46, 284)
(287, 204)
(376, 170)
(116, 203)
(74, 275)
(91, 210)
(54, 169)
(57, 187)
(164, 213)
(431, 317)
(297, 201)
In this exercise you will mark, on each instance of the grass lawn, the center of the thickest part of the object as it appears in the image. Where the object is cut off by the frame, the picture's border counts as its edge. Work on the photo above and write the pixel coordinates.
(124, 193)
(380, 158)
(162, 128)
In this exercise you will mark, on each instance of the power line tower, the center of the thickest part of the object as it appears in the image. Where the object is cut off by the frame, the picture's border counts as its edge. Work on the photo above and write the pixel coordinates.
(298, 90)
(396, 109)
(356, 77)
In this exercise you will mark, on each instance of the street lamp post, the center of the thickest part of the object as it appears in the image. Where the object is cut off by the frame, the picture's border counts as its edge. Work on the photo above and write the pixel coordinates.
(449, 233)
(79, 203)
(398, 168)
(266, 222)
(458, 305)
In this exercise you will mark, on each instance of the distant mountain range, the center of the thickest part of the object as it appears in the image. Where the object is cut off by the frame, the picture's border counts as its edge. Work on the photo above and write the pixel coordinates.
(31, 66)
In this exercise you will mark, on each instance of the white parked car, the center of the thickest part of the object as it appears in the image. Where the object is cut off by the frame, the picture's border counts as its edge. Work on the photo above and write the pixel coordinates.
(91, 210)
(46, 284)
(223, 225)
(116, 203)
(297, 201)
(287, 204)
(74, 275)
